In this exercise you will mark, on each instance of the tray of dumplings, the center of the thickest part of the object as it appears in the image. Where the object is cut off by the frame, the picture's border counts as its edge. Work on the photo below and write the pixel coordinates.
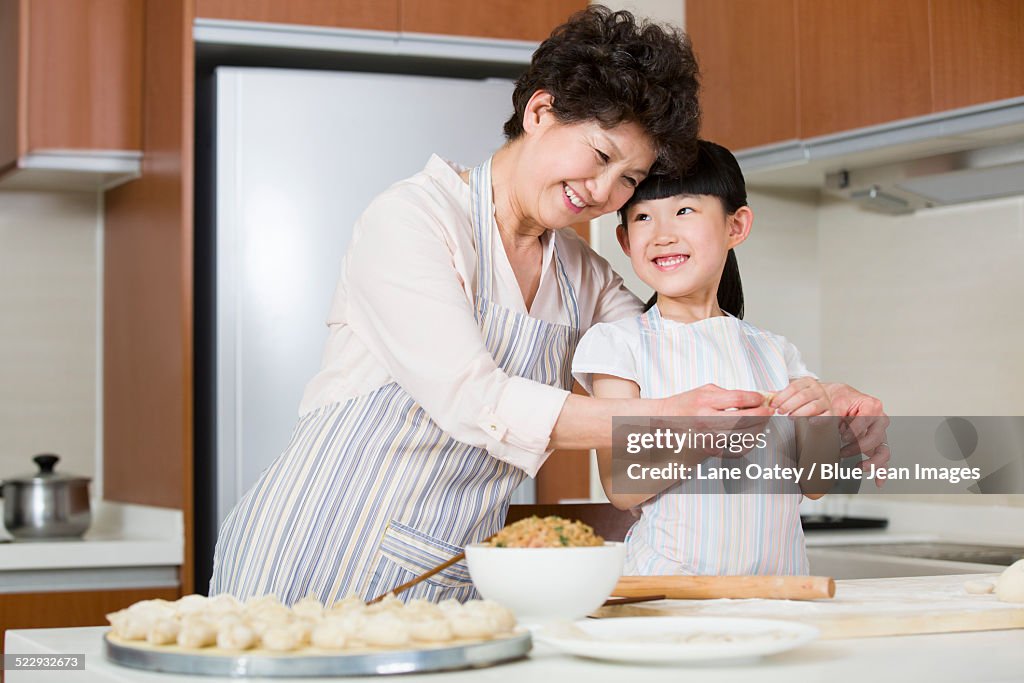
(221, 636)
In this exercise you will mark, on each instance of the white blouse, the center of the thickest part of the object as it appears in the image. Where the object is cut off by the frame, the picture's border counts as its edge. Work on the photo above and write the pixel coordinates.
(403, 312)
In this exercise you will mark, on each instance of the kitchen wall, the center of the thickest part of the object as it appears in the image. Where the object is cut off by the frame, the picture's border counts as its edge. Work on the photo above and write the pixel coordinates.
(925, 310)
(50, 279)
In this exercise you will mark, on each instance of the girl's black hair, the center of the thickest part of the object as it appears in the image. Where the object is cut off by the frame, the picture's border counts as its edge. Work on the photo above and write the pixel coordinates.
(716, 173)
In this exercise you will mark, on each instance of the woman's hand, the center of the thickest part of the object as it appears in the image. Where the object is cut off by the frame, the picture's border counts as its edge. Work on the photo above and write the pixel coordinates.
(710, 409)
(804, 397)
(863, 427)
(711, 400)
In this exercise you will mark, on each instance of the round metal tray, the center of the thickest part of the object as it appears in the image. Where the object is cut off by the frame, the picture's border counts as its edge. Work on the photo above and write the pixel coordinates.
(464, 656)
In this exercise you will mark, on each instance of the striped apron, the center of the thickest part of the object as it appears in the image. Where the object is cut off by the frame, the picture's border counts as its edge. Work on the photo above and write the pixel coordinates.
(371, 492)
(706, 527)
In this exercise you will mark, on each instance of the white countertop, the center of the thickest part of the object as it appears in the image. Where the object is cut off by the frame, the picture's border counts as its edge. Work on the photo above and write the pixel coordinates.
(144, 544)
(974, 657)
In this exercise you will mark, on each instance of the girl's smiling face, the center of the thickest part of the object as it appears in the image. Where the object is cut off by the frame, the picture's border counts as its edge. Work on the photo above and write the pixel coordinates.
(678, 246)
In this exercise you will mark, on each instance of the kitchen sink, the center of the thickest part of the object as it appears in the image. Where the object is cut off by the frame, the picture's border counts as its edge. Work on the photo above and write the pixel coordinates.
(910, 558)
(948, 552)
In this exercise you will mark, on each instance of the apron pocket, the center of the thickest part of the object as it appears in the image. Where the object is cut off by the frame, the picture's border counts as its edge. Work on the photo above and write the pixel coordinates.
(418, 552)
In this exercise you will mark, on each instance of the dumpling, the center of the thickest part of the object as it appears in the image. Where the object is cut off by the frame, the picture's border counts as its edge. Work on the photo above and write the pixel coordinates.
(236, 636)
(385, 629)
(389, 604)
(351, 603)
(431, 630)
(196, 633)
(280, 639)
(129, 625)
(308, 607)
(330, 634)
(473, 626)
(190, 604)
(504, 619)
(223, 603)
(422, 609)
(163, 631)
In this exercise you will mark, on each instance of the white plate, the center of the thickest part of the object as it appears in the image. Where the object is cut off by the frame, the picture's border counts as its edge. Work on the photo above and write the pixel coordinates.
(675, 639)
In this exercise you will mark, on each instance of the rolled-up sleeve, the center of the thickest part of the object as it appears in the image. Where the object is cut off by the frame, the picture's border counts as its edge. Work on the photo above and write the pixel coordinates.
(407, 302)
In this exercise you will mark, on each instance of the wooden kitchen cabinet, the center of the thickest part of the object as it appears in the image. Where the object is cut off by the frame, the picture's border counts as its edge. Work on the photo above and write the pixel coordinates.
(377, 15)
(978, 51)
(509, 19)
(861, 63)
(71, 76)
(72, 608)
(850, 64)
(747, 54)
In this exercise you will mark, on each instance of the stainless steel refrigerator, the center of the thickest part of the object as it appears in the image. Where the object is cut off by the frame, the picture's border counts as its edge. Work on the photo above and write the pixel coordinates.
(290, 161)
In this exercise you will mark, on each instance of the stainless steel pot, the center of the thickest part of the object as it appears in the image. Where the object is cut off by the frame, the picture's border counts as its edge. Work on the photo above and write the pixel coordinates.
(46, 504)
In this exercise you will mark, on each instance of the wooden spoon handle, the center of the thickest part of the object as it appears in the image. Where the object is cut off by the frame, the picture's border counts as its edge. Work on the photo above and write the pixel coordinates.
(710, 587)
(422, 577)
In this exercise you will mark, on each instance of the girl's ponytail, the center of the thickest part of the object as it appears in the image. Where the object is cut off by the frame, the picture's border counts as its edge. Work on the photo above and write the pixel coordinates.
(730, 289)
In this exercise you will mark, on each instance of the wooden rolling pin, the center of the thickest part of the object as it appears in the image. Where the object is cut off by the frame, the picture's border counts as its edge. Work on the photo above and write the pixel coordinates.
(710, 587)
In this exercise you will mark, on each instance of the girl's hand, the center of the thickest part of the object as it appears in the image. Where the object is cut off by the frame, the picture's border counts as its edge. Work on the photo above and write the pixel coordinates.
(804, 397)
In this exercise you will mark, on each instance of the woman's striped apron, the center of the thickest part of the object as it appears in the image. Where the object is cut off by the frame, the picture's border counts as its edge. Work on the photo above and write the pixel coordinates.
(371, 492)
(705, 527)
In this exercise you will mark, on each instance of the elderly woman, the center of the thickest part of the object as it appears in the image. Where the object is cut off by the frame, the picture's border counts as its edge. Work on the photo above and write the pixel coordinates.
(446, 376)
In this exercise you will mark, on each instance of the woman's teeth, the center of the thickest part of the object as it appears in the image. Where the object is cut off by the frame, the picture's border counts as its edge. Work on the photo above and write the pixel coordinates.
(670, 261)
(574, 198)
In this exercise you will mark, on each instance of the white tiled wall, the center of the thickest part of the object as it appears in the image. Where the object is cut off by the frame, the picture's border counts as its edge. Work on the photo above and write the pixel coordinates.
(50, 269)
(926, 310)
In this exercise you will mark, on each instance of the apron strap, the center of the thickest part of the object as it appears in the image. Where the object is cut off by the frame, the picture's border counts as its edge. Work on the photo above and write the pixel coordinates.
(484, 227)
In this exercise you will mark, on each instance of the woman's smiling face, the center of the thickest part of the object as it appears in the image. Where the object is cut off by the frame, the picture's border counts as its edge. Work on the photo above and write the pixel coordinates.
(578, 171)
(678, 245)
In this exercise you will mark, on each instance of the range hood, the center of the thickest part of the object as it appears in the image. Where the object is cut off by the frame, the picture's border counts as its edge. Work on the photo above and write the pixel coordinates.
(951, 157)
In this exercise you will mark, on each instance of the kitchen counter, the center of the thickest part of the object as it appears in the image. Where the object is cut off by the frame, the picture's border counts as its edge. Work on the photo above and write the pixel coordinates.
(974, 656)
(126, 546)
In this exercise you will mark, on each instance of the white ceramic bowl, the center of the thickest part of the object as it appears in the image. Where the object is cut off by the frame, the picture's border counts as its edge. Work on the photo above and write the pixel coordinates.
(546, 584)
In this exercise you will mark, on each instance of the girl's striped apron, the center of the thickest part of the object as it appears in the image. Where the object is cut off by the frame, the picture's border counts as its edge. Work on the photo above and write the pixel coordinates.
(706, 527)
(371, 492)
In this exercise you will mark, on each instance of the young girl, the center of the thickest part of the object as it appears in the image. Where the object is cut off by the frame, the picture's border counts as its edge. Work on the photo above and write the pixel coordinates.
(679, 234)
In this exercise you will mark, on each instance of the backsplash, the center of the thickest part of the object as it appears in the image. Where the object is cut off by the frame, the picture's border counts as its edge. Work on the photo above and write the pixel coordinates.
(50, 284)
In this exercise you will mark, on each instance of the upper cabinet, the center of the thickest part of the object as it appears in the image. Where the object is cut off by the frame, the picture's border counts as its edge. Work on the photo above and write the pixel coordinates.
(747, 56)
(377, 15)
(71, 76)
(861, 63)
(776, 70)
(978, 50)
(510, 19)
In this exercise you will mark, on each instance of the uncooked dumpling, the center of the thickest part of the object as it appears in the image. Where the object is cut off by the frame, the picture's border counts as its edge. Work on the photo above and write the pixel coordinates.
(385, 629)
(163, 631)
(1010, 585)
(430, 630)
(237, 636)
(196, 633)
(330, 634)
(308, 607)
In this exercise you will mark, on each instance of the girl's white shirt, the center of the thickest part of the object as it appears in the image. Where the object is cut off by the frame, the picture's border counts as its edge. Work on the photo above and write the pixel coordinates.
(403, 312)
(619, 349)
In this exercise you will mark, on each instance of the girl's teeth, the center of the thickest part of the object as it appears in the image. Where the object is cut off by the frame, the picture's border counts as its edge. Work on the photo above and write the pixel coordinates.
(666, 262)
(574, 198)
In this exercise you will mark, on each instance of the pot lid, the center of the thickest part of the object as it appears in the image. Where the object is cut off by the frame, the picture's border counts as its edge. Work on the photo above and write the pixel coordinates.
(45, 474)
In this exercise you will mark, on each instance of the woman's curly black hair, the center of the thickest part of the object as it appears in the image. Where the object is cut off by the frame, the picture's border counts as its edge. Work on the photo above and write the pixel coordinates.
(607, 67)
